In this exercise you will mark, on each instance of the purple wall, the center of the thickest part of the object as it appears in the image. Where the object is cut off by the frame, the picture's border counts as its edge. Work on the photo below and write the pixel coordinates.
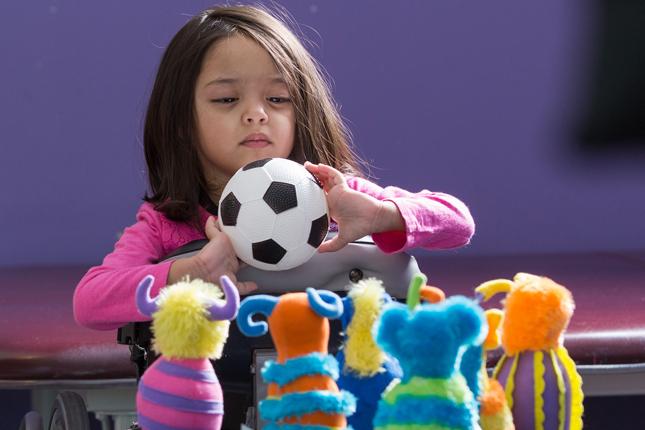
(469, 98)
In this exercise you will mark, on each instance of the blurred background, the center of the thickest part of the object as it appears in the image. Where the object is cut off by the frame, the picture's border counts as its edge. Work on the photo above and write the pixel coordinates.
(532, 113)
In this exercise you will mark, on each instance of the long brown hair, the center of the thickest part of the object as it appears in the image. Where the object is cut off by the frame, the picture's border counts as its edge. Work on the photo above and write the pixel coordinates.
(177, 182)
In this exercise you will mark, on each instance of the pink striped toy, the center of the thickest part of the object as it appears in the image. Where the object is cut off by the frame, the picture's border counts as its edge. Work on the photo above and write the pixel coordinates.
(190, 326)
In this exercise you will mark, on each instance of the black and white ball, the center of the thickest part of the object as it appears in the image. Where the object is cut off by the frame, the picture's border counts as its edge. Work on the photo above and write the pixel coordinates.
(275, 214)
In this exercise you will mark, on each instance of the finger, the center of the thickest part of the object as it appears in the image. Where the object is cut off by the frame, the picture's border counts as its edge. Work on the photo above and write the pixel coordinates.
(246, 287)
(211, 229)
(333, 244)
(325, 180)
(330, 171)
(313, 169)
(332, 176)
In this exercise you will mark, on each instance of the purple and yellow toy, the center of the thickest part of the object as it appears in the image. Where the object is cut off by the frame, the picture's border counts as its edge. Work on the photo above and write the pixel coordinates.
(190, 326)
(542, 385)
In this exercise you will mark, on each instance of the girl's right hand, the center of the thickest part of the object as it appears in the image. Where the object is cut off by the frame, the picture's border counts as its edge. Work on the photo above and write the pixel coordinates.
(215, 259)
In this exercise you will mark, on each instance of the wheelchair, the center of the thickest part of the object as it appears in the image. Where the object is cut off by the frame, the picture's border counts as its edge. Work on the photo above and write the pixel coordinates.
(236, 369)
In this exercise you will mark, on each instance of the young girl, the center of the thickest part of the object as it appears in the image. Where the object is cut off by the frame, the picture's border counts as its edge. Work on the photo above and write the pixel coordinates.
(234, 86)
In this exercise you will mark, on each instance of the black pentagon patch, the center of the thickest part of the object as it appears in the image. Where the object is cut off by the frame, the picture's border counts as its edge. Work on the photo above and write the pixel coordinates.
(281, 196)
(318, 231)
(256, 163)
(268, 251)
(229, 209)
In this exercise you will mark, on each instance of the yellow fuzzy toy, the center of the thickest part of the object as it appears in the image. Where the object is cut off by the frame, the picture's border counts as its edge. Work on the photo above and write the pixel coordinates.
(366, 369)
(180, 326)
(362, 354)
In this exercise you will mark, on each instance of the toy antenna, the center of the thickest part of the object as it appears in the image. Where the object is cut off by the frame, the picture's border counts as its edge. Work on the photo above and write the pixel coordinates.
(145, 304)
(228, 310)
(262, 304)
(325, 303)
(490, 288)
(414, 290)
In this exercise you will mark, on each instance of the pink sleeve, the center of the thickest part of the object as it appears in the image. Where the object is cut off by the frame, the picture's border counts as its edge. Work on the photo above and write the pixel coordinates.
(432, 220)
(104, 298)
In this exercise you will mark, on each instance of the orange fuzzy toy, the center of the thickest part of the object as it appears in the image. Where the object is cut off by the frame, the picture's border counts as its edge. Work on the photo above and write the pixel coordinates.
(536, 312)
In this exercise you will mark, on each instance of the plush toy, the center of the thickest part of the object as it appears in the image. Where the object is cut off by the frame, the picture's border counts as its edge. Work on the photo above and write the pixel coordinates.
(365, 370)
(541, 383)
(302, 390)
(190, 325)
(494, 413)
(428, 340)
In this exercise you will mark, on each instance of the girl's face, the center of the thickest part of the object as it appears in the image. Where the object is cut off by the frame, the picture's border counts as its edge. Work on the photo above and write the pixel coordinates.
(243, 109)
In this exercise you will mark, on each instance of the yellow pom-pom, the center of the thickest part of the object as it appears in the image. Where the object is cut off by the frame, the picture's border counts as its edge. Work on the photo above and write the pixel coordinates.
(362, 354)
(181, 326)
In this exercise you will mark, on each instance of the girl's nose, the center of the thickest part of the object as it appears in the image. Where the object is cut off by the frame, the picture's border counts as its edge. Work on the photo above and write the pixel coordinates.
(255, 115)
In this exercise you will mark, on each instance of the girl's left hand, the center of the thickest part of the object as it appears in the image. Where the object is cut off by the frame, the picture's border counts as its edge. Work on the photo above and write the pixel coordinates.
(357, 214)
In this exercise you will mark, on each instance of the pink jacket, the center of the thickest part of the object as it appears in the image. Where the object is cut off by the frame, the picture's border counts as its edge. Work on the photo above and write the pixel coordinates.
(104, 298)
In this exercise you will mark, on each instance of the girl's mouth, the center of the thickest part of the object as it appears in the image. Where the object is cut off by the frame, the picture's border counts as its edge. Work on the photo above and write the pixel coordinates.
(256, 140)
(259, 143)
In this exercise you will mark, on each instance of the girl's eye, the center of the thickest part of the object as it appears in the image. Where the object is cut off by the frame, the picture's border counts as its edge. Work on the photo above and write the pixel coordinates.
(225, 100)
(279, 99)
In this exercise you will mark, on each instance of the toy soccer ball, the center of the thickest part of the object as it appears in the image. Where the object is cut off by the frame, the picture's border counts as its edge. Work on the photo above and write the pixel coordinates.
(275, 214)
